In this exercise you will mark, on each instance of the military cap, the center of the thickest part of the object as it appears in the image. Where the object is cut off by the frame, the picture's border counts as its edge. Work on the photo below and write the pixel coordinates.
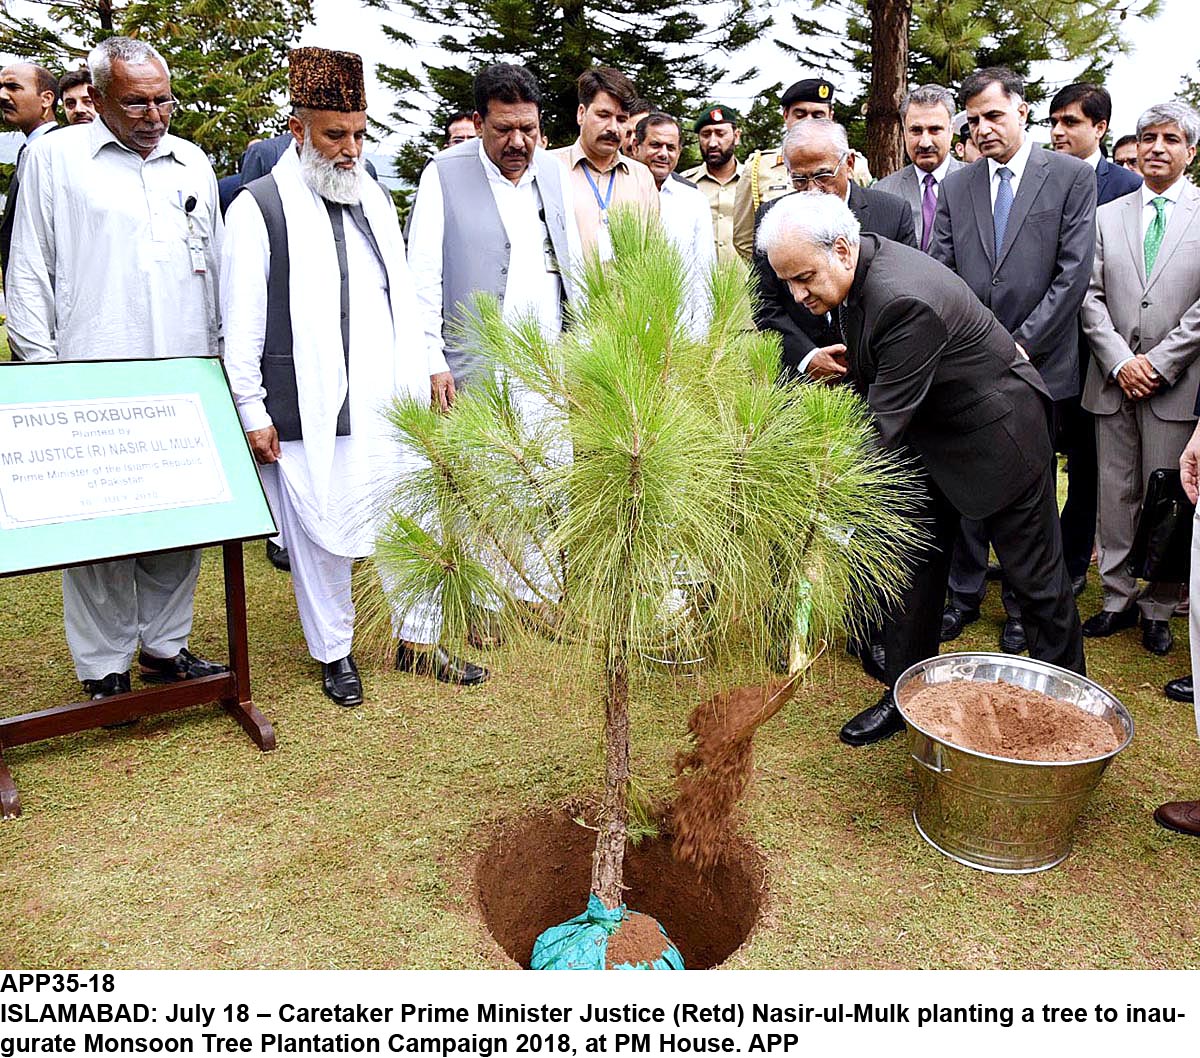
(716, 115)
(959, 123)
(810, 90)
(321, 79)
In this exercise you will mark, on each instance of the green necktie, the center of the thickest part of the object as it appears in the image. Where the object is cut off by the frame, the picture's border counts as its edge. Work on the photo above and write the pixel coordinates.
(1154, 233)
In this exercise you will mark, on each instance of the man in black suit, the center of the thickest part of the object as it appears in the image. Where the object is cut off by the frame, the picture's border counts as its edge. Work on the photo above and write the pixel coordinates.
(1019, 226)
(1079, 117)
(819, 159)
(946, 383)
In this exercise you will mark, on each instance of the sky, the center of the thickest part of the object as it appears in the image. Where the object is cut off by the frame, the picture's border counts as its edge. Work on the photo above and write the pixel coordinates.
(1164, 50)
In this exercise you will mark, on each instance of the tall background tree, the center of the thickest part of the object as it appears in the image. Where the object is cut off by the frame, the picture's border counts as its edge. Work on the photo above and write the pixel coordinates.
(228, 58)
(862, 41)
(672, 50)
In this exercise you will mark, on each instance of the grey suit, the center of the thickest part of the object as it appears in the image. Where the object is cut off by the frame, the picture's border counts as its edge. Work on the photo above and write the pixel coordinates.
(1035, 286)
(907, 183)
(1126, 313)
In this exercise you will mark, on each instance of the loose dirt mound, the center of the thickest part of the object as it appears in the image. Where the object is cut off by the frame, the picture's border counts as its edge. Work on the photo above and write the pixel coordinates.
(714, 773)
(1003, 720)
(637, 940)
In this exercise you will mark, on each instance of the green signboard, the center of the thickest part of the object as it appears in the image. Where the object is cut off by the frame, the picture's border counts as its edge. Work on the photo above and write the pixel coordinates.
(104, 458)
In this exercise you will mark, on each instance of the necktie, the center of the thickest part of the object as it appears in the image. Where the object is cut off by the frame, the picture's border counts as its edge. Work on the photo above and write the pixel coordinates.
(1004, 201)
(928, 209)
(1155, 232)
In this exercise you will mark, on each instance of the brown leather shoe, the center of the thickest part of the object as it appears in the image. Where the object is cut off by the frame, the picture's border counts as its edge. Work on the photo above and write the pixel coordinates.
(1180, 816)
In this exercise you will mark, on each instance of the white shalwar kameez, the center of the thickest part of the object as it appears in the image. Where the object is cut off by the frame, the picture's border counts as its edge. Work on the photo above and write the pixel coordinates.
(102, 268)
(328, 492)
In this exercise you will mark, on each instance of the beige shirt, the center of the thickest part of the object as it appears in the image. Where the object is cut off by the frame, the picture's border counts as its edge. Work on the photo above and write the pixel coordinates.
(720, 199)
(632, 182)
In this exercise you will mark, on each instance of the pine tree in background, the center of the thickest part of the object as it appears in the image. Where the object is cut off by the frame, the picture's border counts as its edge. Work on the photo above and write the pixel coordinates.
(947, 39)
(228, 58)
(671, 49)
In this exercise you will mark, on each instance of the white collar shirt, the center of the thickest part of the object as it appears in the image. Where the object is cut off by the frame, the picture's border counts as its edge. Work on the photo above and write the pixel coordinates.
(1093, 159)
(687, 218)
(939, 174)
(108, 261)
(1015, 165)
(1171, 194)
(529, 284)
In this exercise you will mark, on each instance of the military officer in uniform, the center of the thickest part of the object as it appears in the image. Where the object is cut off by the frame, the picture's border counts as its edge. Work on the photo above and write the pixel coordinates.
(765, 176)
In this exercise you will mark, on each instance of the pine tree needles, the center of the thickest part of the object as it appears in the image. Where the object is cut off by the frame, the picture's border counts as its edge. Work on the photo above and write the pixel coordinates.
(657, 493)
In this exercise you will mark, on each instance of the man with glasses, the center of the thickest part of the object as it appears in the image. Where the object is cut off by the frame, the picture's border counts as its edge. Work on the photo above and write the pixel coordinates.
(819, 160)
(115, 254)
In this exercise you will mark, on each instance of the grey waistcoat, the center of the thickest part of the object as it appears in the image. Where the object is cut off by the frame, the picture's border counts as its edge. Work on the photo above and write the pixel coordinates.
(475, 247)
(278, 367)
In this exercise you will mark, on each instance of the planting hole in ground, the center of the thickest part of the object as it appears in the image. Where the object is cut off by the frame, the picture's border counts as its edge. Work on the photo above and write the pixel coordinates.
(536, 873)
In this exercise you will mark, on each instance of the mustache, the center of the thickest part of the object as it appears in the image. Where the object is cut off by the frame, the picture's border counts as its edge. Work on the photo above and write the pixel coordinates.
(609, 137)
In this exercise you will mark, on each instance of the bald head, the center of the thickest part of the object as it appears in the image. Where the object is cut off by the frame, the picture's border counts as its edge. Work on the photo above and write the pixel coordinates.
(28, 95)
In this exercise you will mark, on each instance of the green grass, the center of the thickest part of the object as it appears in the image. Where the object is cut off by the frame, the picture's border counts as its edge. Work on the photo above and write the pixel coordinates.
(176, 843)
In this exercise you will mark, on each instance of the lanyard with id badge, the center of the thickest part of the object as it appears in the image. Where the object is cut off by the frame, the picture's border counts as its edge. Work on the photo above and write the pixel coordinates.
(195, 244)
(603, 238)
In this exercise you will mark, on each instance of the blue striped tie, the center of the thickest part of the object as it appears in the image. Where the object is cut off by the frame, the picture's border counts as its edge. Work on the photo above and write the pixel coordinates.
(1003, 206)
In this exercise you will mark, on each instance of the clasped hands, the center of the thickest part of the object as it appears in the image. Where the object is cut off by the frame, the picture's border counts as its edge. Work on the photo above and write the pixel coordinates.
(1138, 379)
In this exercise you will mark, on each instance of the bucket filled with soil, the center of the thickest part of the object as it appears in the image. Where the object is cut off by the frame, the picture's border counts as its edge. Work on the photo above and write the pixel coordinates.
(1006, 751)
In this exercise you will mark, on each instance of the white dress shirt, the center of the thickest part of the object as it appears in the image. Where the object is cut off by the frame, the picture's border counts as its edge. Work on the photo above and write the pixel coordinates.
(528, 286)
(1171, 194)
(1015, 165)
(939, 174)
(687, 217)
(102, 263)
(1093, 159)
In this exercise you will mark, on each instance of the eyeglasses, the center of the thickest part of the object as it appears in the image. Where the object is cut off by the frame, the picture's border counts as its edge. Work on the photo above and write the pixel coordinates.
(823, 180)
(140, 110)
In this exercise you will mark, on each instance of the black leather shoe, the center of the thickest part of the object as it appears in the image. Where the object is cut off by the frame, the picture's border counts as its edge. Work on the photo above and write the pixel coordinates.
(1012, 637)
(881, 721)
(439, 663)
(1180, 690)
(183, 666)
(1156, 636)
(279, 557)
(339, 680)
(955, 620)
(113, 683)
(872, 656)
(1079, 585)
(1109, 622)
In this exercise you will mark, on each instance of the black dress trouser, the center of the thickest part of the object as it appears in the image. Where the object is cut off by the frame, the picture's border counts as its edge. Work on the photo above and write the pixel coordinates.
(1028, 541)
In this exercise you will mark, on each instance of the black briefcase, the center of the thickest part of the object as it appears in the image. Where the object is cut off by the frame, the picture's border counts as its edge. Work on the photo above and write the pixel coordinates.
(1162, 545)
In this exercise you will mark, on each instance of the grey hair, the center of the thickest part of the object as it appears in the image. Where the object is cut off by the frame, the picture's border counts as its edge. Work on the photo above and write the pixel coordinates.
(928, 95)
(1173, 113)
(813, 128)
(120, 49)
(812, 218)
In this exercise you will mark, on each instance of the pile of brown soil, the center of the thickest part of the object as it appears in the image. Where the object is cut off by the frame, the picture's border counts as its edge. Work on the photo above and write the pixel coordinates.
(638, 940)
(713, 774)
(1003, 720)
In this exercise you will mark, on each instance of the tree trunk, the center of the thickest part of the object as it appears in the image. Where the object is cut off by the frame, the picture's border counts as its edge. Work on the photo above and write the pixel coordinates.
(608, 861)
(105, 11)
(889, 79)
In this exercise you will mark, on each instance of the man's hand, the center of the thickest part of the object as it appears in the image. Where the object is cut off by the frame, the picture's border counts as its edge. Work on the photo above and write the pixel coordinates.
(1138, 379)
(828, 364)
(1189, 466)
(441, 390)
(264, 444)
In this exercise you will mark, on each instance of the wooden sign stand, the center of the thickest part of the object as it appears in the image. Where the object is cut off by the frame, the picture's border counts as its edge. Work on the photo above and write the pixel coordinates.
(231, 689)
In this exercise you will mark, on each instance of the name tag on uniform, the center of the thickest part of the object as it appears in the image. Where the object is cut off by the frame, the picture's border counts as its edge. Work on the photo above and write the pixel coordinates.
(604, 238)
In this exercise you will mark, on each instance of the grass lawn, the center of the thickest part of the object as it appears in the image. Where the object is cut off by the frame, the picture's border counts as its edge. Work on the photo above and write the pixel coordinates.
(175, 843)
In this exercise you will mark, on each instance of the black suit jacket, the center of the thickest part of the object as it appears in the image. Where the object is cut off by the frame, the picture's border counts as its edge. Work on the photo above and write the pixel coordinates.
(944, 379)
(776, 309)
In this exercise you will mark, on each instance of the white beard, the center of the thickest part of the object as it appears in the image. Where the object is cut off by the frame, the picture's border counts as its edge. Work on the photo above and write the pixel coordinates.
(326, 179)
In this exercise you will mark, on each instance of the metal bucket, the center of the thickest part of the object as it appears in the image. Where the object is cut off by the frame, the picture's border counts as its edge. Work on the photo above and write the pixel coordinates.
(992, 813)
